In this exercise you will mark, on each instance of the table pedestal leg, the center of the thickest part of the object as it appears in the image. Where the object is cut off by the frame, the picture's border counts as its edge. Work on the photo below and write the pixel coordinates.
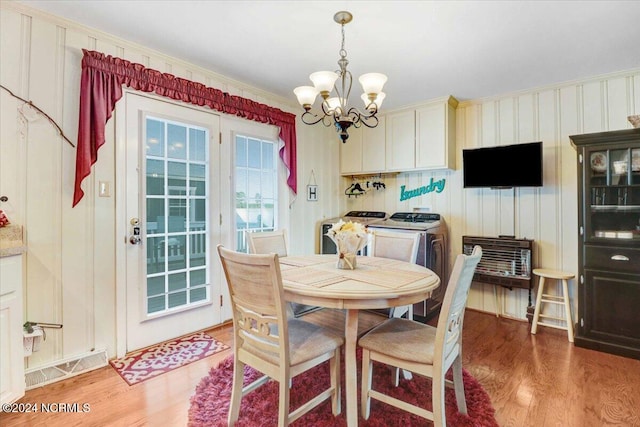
(351, 368)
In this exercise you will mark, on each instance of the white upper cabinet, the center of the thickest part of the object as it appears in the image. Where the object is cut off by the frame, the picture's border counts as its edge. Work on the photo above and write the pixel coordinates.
(436, 135)
(364, 151)
(400, 141)
(373, 147)
(420, 138)
(351, 152)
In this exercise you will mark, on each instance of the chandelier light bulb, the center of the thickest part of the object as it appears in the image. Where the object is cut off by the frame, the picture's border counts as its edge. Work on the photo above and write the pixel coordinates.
(306, 95)
(333, 105)
(377, 100)
(372, 82)
(324, 81)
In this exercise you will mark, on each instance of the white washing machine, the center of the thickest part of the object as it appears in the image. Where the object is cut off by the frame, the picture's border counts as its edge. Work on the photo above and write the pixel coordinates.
(364, 217)
(432, 252)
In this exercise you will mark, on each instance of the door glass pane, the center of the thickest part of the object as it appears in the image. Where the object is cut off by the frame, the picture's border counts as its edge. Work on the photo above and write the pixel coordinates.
(254, 153)
(267, 190)
(199, 294)
(155, 138)
(177, 281)
(197, 182)
(155, 285)
(197, 145)
(155, 177)
(177, 178)
(177, 171)
(156, 304)
(176, 141)
(256, 187)
(241, 151)
(155, 215)
(198, 250)
(619, 167)
(198, 277)
(177, 299)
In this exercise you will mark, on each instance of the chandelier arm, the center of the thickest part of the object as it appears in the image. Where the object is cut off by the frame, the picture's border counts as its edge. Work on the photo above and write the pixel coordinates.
(364, 121)
(329, 120)
(310, 118)
(370, 120)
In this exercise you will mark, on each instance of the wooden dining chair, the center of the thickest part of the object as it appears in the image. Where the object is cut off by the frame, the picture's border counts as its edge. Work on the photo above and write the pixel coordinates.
(270, 342)
(423, 349)
(402, 246)
(265, 242)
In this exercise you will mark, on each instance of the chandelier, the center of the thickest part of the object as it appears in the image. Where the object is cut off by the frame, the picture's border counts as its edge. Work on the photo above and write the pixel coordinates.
(334, 108)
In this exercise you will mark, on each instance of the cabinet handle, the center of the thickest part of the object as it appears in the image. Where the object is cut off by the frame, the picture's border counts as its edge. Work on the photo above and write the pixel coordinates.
(620, 258)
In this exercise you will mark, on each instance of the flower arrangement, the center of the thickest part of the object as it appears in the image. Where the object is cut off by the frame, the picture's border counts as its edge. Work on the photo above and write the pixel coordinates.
(4, 221)
(349, 238)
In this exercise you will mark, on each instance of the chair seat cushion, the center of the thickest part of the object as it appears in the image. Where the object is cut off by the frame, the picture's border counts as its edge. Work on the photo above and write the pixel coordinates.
(403, 339)
(306, 341)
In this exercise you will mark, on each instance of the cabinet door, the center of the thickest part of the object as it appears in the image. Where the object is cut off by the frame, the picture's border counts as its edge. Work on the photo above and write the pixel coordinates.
(351, 152)
(12, 383)
(609, 308)
(400, 141)
(373, 147)
(435, 137)
(612, 194)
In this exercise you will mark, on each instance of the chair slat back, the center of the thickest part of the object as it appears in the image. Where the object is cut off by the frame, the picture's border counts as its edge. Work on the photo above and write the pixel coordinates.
(257, 300)
(402, 246)
(449, 334)
(265, 242)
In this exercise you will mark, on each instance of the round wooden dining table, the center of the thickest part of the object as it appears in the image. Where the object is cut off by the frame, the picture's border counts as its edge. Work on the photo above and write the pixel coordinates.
(374, 283)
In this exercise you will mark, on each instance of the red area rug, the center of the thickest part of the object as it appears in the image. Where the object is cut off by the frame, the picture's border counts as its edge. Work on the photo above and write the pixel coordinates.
(153, 361)
(210, 403)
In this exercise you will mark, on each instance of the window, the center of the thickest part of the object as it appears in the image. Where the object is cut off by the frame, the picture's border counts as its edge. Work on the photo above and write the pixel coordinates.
(256, 192)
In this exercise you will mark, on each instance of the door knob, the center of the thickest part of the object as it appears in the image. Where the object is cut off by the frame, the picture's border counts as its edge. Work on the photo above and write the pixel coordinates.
(135, 238)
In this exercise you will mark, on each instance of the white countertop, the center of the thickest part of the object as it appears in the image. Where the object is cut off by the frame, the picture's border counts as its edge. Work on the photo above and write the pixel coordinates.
(11, 240)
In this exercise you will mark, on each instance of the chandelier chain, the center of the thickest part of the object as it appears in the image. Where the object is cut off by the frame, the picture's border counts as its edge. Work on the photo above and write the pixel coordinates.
(343, 52)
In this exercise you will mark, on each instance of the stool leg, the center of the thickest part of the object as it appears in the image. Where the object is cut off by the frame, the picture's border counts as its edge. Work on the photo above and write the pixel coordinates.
(567, 309)
(536, 313)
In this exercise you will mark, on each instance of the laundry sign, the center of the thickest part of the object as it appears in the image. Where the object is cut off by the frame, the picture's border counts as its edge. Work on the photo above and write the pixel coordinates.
(437, 186)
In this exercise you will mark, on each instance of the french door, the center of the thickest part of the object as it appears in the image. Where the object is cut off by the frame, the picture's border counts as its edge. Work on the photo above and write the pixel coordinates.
(172, 218)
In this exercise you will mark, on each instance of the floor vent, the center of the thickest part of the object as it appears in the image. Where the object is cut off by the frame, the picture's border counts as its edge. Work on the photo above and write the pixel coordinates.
(67, 368)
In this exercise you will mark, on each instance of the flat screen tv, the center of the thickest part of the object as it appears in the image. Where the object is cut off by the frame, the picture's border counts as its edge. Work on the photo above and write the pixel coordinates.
(503, 166)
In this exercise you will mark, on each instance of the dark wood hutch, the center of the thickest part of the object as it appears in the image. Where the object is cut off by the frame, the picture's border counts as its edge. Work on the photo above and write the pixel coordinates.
(609, 241)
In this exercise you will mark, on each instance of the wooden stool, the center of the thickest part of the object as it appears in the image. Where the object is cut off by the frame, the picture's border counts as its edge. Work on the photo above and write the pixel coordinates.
(553, 299)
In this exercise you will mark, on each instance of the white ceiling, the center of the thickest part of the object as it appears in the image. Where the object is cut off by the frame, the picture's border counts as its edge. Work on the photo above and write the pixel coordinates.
(428, 49)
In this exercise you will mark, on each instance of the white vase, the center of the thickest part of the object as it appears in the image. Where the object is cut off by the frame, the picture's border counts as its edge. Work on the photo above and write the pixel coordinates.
(347, 261)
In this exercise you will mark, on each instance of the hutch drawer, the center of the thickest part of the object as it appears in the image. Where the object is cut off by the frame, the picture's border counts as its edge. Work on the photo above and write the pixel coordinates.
(612, 258)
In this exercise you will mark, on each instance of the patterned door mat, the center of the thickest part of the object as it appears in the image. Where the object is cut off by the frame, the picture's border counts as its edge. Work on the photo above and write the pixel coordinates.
(152, 361)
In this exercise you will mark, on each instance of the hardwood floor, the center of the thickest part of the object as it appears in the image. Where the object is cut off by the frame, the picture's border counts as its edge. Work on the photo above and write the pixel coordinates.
(533, 380)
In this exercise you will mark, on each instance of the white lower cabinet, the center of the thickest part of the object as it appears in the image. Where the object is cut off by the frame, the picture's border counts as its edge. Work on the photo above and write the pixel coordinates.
(12, 383)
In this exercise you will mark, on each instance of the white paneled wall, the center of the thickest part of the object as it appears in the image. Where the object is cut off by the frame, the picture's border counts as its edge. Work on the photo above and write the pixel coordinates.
(548, 214)
(70, 262)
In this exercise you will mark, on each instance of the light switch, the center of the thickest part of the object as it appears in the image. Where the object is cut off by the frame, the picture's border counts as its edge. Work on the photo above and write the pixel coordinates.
(103, 189)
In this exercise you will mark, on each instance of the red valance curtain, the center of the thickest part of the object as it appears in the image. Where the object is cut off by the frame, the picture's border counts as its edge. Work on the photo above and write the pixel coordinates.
(101, 87)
